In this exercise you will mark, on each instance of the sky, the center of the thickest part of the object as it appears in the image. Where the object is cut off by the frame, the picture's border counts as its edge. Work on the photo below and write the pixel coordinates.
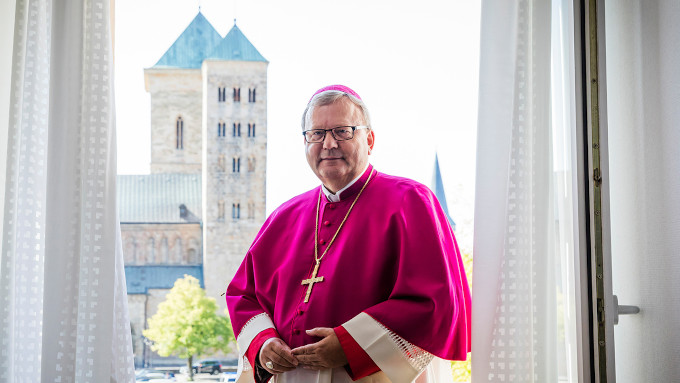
(414, 63)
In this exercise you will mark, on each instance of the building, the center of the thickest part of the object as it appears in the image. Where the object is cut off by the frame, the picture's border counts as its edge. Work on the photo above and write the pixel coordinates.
(204, 201)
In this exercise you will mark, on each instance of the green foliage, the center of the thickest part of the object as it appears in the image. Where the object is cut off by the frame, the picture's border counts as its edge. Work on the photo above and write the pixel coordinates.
(187, 324)
(462, 370)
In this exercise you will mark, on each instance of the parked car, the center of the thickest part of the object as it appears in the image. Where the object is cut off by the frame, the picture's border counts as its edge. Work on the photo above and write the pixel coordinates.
(211, 366)
(228, 377)
(147, 375)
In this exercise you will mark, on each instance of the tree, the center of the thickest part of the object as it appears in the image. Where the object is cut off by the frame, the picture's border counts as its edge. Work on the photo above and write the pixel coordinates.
(462, 370)
(187, 324)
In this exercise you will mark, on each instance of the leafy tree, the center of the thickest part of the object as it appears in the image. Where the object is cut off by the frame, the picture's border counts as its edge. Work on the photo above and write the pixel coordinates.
(462, 370)
(187, 324)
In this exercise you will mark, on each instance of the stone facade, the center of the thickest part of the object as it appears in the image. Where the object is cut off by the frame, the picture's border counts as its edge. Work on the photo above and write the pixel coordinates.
(235, 154)
(176, 105)
(167, 244)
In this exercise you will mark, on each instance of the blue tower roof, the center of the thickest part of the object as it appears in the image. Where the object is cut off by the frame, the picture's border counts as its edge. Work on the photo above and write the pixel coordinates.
(192, 46)
(235, 46)
(438, 188)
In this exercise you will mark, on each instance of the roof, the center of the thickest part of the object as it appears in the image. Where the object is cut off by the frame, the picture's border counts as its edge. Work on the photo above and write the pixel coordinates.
(192, 46)
(158, 198)
(235, 46)
(438, 188)
(139, 279)
(200, 41)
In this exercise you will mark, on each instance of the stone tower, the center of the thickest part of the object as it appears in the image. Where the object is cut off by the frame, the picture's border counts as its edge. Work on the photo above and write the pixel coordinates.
(209, 117)
(234, 156)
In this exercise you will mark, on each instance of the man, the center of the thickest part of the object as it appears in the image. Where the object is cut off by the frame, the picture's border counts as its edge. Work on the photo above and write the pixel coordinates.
(358, 279)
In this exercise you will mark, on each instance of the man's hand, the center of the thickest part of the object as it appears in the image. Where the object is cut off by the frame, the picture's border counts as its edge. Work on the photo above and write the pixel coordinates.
(326, 353)
(279, 354)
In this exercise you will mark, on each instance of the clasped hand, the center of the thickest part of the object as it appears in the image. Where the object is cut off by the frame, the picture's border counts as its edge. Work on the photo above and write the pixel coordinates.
(326, 353)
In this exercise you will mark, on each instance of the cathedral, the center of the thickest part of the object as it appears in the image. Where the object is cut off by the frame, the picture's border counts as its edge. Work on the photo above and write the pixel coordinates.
(204, 201)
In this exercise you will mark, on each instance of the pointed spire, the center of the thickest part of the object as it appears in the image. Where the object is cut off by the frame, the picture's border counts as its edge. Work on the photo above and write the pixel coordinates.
(192, 46)
(236, 46)
(438, 188)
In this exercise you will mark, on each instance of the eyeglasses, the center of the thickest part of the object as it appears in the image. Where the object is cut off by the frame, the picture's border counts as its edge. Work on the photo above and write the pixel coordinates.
(340, 133)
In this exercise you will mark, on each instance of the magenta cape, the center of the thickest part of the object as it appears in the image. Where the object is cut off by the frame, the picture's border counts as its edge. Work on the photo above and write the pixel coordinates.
(395, 259)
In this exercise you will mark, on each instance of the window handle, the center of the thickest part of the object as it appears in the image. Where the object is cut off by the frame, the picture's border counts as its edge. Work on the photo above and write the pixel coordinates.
(623, 310)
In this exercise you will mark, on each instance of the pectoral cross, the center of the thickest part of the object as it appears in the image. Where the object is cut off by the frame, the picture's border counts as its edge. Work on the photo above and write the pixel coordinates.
(311, 281)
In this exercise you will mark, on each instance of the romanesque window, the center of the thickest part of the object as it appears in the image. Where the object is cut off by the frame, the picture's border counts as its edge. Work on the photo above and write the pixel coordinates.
(251, 95)
(180, 133)
(236, 211)
(236, 165)
(251, 130)
(220, 211)
(177, 251)
(221, 129)
(150, 251)
(236, 129)
(251, 164)
(237, 94)
(193, 255)
(251, 210)
(130, 251)
(221, 94)
(221, 163)
(165, 251)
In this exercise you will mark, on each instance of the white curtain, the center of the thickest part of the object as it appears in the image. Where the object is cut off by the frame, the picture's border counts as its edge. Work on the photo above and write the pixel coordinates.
(523, 314)
(64, 306)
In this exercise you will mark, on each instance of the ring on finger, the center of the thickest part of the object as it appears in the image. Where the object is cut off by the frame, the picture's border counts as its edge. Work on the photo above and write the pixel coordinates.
(269, 365)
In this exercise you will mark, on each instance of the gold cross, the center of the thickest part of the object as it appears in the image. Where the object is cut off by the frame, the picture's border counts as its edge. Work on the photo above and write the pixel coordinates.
(311, 281)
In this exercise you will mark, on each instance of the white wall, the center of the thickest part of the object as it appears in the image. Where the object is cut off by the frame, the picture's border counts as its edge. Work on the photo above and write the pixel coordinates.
(6, 37)
(643, 80)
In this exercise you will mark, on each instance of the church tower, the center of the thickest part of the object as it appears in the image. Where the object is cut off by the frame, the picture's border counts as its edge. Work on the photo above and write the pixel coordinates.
(234, 156)
(175, 87)
(209, 119)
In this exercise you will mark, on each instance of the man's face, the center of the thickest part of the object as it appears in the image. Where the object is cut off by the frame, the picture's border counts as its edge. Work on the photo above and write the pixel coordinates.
(336, 163)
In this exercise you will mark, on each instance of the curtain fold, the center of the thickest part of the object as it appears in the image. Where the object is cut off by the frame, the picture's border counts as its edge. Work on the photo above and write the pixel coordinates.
(515, 303)
(62, 280)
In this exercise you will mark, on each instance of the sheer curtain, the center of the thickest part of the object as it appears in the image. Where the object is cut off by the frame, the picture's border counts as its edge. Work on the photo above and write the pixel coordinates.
(62, 284)
(525, 320)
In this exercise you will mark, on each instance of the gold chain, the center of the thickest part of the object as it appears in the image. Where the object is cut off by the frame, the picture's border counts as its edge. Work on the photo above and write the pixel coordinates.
(316, 223)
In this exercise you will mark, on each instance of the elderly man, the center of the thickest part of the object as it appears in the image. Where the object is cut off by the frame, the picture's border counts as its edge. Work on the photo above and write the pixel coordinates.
(358, 279)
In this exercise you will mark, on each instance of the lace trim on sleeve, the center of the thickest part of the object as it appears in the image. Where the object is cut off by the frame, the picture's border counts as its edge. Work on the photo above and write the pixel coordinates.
(251, 320)
(416, 356)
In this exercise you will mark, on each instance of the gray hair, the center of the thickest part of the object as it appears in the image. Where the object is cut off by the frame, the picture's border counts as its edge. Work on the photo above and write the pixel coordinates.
(328, 97)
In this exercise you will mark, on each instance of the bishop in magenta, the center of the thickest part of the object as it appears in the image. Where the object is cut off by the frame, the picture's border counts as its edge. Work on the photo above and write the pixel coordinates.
(359, 279)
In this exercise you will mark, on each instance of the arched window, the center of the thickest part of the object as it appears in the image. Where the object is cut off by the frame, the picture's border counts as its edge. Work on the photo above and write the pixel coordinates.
(251, 210)
(180, 133)
(236, 129)
(237, 94)
(236, 211)
(236, 165)
(251, 164)
(251, 95)
(221, 165)
(220, 210)
(221, 94)
(251, 130)
(221, 129)
(150, 251)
